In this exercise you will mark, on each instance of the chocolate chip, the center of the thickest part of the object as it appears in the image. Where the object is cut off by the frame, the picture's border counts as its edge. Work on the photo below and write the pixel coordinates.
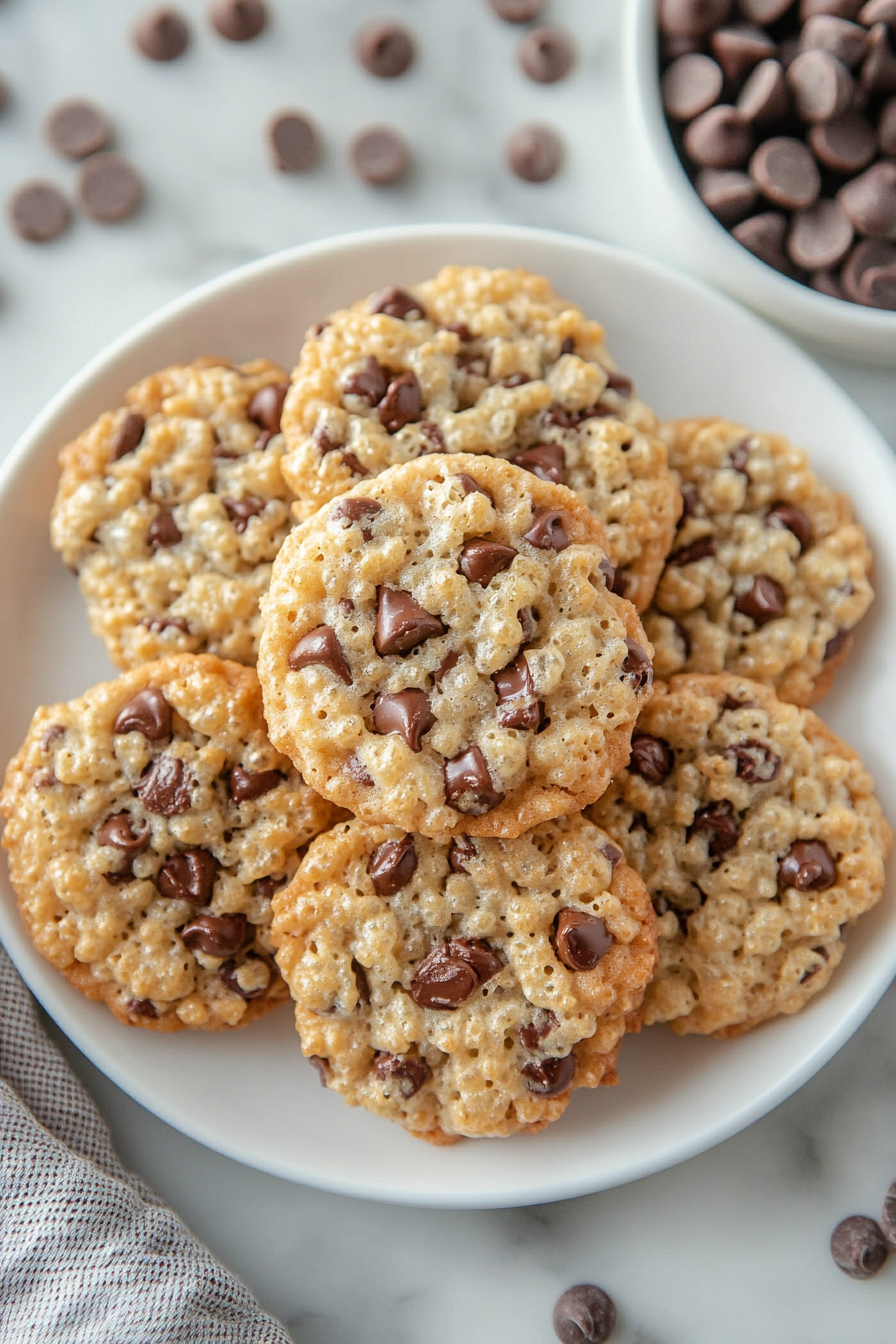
(321, 1067)
(755, 762)
(460, 852)
(878, 73)
(690, 85)
(550, 1077)
(128, 436)
(764, 601)
(547, 461)
(786, 173)
(651, 758)
(637, 670)
(448, 662)
(808, 866)
(580, 939)
(888, 1213)
(351, 511)
(547, 532)
(163, 531)
(357, 771)
(118, 832)
(392, 865)
(162, 35)
(721, 137)
(39, 212)
(452, 972)
(517, 11)
(867, 255)
(820, 86)
(320, 646)
(700, 549)
(408, 1071)
(395, 302)
(542, 1025)
(368, 381)
(692, 18)
(608, 571)
(349, 460)
(188, 876)
(141, 1008)
(886, 128)
(738, 48)
(238, 20)
(248, 784)
(108, 188)
(584, 1314)
(165, 787)
(518, 706)
(266, 406)
(847, 144)
(216, 935)
(402, 403)
(468, 784)
(294, 141)
(764, 235)
(76, 129)
(546, 55)
(740, 456)
(870, 201)
(826, 282)
(764, 99)
(471, 487)
(690, 499)
(51, 736)
(764, 11)
(147, 712)
(158, 624)
(557, 415)
(266, 886)
(813, 970)
(792, 519)
(535, 153)
(878, 288)
(611, 854)
(379, 156)
(435, 439)
(361, 983)
(230, 975)
(406, 713)
(825, 32)
(385, 49)
(858, 1247)
(481, 560)
(820, 237)
(719, 821)
(876, 11)
(401, 623)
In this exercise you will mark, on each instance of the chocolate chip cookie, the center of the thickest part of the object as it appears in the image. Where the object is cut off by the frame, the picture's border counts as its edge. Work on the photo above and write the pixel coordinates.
(760, 840)
(441, 651)
(464, 987)
(171, 509)
(480, 361)
(148, 825)
(769, 571)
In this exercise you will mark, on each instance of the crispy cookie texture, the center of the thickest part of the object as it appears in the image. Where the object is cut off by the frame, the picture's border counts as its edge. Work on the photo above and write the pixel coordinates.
(148, 824)
(441, 651)
(769, 571)
(464, 988)
(480, 361)
(171, 509)
(760, 840)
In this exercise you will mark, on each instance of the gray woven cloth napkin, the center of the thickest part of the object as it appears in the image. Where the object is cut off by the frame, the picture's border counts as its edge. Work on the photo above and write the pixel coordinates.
(88, 1253)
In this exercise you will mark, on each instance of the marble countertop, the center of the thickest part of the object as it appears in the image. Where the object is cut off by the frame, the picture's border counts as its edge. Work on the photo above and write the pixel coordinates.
(731, 1246)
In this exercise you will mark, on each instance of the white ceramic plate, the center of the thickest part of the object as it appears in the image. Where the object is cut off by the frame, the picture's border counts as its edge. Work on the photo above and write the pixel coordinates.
(250, 1094)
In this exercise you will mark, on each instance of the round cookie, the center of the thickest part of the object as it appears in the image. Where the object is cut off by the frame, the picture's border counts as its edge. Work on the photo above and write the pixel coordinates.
(481, 361)
(441, 651)
(769, 571)
(464, 987)
(171, 509)
(148, 824)
(760, 840)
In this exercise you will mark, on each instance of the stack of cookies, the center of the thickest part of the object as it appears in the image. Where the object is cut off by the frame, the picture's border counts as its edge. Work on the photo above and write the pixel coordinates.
(388, 738)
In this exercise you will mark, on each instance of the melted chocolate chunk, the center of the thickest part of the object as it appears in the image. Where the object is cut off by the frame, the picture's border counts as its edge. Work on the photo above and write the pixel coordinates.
(619, 382)
(350, 511)
(361, 983)
(129, 435)
(163, 531)
(141, 1008)
(517, 703)
(435, 439)
(557, 415)
(228, 974)
(808, 866)
(118, 832)
(356, 770)
(248, 784)
(239, 511)
(51, 736)
(697, 550)
(321, 1067)
(406, 713)
(541, 1026)
(550, 1077)
(452, 972)
(580, 939)
(395, 302)
(188, 876)
(547, 461)
(392, 865)
(547, 532)
(266, 406)
(355, 467)
(460, 851)
(166, 786)
(794, 520)
(739, 458)
(401, 404)
(481, 560)
(608, 570)
(690, 500)
(637, 670)
(835, 644)
(611, 854)
(756, 763)
(528, 619)
(149, 713)
(719, 820)
(468, 784)
(763, 602)
(266, 886)
(320, 647)
(471, 487)
(450, 661)
(323, 442)
(368, 381)
(401, 623)
(651, 758)
(216, 935)
(408, 1071)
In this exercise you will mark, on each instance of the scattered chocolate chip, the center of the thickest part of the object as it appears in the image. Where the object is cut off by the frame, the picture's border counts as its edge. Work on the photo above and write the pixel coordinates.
(266, 406)
(118, 832)
(541, 1026)
(385, 49)
(468, 784)
(246, 785)
(188, 876)
(764, 601)
(870, 201)
(128, 436)
(230, 975)
(147, 712)
(163, 531)
(690, 85)
(162, 35)
(350, 511)
(518, 706)
(379, 156)
(395, 302)
(808, 866)
(471, 487)
(238, 20)
(517, 11)
(448, 662)
(820, 237)
(534, 153)
(786, 173)
(584, 1315)
(452, 972)
(165, 787)
(392, 865)
(401, 623)
(580, 939)
(241, 510)
(700, 549)
(108, 188)
(755, 762)
(547, 532)
(847, 144)
(547, 461)
(764, 235)
(460, 852)
(792, 519)
(764, 99)
(651, 758)
(402, 403)
(481, 560)
(730, 195)
(141, 1008)
(357, 771)
(550, 1077)
(721, 137)
(408, 1071)
(76, 129)
(858, 1247)
(320, 646)
(720, 822)
(294, 141)
(739, 48)
(406, 713)
(435, 439)
(216, 935)
(637, 669)
(39, 212)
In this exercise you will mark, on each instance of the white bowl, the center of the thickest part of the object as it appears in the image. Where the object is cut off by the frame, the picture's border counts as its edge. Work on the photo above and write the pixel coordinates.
(683, 231)
(250, 1094)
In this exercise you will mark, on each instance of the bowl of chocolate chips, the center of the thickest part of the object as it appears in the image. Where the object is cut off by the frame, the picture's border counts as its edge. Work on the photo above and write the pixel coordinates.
(767, 131)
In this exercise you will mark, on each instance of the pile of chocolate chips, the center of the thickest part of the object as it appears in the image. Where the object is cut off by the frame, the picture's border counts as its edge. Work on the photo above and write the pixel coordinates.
(860, 1246)
(784, 114)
